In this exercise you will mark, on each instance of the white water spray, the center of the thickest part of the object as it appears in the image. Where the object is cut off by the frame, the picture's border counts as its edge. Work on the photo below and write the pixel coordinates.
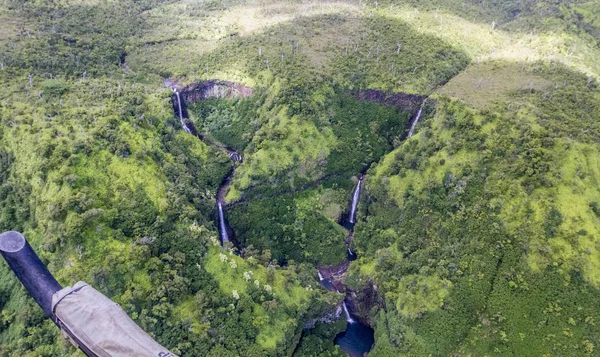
(320, 277)
(355, 198)
(348, 317)
(222, 228)
(185, 127)
(414, 123)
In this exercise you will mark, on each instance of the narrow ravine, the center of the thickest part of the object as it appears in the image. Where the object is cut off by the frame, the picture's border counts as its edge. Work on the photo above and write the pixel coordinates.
(358, 338)
(234, 156)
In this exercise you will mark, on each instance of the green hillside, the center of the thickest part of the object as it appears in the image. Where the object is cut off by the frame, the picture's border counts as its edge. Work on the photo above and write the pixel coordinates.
(495, 249)
(477, 236)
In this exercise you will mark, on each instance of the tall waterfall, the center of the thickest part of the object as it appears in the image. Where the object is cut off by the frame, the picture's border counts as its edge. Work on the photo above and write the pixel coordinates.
(222, 227)
(414, 123)
(355, 198)
(348, 317)
(320, 276)
(185, 127)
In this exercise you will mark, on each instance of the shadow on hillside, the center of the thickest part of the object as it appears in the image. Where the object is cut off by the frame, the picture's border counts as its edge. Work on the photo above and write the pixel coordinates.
(358, 52)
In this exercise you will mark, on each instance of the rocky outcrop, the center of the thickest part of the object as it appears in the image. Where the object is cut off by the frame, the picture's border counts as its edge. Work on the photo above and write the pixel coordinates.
(326, 319)
(362, 301)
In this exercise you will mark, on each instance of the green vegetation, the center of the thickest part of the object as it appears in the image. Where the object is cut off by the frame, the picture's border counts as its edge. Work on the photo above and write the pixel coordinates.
(476, 236)
(497, 229)
(108, 189)
(228, 121)
(287, 176)
(318, 341)
(291, 227)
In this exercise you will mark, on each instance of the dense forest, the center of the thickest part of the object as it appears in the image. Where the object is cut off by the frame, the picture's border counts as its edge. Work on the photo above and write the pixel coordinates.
(479, 235)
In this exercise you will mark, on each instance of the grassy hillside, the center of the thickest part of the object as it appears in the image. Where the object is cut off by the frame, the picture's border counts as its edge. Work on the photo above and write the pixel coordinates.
(496, 244)
(477, 236)
(108, 189)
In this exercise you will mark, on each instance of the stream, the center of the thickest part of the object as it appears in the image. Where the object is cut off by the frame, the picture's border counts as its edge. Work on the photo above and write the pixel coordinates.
(358, 338)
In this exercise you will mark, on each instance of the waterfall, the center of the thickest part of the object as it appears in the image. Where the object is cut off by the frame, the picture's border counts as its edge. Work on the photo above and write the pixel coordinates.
(320, 277)
(414, 123)
(185, 127)
(234, 156)
(348, 317)
(222, 228)
(351, 255)
(355, 198)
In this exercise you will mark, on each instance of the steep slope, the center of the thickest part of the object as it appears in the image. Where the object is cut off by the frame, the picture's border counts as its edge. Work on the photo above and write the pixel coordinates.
(99, 176)
(481, 230)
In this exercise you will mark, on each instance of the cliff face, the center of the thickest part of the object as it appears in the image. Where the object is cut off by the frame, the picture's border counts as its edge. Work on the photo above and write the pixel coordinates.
(214, 89)
(404, 101)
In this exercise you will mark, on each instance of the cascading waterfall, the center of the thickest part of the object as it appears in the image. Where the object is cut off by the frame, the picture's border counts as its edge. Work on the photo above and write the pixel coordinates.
(348, 317)
(234, 156)
(185, 127)
(414, 123)
(355, 198)
(358, 338)
(222, 227)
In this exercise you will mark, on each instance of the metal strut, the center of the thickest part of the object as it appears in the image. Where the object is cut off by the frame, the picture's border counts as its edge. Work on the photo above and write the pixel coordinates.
(34, 276)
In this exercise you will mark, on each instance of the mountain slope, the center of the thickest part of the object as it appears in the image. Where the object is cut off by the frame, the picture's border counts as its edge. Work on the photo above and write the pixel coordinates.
(481, 230)
(476, 236)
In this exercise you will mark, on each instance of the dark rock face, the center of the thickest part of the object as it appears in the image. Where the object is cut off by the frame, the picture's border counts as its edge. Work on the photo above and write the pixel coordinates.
(201, 91)
(214, 89)
(360, 302)
(407, 102)
(333, 271)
